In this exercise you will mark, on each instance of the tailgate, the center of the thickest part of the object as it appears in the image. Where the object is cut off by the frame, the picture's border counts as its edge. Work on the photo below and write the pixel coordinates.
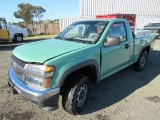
(4, 34)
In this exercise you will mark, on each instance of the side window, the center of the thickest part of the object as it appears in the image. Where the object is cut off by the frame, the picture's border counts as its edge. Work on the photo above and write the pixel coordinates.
(118, 29)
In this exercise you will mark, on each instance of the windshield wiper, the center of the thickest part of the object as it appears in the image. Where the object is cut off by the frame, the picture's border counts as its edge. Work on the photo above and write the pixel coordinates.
(68, 39)
(73, 39)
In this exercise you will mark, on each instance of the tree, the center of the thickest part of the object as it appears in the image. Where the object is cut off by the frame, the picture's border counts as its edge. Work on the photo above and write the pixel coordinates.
(37, 12)
(27, 12)
(24, 12)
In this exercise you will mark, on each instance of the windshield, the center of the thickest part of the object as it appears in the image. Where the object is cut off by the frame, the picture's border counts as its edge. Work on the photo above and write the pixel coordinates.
(153, 25)
(86, 32)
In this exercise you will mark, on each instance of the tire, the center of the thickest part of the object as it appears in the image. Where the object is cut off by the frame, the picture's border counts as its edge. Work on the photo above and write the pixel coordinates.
(141, 63)
(75, 95)
(18, 38)
(157, 37)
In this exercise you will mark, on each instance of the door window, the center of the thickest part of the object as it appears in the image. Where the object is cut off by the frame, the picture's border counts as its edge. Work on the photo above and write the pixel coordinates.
(119, 30)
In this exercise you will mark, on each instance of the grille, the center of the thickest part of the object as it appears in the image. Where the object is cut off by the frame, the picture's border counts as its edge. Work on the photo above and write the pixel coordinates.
(17, 70)
(19, 74)
(18, 61)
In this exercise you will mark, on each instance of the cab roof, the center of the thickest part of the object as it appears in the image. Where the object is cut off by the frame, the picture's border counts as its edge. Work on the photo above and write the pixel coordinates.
(100, 20)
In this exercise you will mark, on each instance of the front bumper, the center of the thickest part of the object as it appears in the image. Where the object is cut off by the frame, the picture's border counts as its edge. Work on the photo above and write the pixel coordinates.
(45, 99)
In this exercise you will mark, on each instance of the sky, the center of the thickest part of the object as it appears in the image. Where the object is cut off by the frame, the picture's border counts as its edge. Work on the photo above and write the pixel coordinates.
(54, 8)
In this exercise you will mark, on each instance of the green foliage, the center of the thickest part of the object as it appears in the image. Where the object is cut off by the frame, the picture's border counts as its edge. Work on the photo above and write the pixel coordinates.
(21, 24)
(38, 11)
(27, 12)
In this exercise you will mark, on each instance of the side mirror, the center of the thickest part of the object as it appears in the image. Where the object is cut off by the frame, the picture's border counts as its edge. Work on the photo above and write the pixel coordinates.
(112, 41)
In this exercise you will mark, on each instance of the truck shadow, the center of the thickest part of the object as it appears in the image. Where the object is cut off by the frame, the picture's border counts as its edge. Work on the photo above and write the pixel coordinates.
(122, 84)
(9, 46)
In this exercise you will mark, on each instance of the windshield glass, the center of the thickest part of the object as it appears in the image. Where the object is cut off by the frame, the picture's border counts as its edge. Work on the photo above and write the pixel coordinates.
(153, 25)
(87, 31)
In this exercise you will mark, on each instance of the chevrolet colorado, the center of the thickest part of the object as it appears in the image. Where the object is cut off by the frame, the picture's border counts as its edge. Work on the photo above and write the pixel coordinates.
(86, 51)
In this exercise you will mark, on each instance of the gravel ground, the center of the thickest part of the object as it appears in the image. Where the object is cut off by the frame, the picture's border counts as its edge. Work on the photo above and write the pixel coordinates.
(126, 95)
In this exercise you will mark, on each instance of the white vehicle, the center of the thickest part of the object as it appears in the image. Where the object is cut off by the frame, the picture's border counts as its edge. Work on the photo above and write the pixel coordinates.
(12, 32)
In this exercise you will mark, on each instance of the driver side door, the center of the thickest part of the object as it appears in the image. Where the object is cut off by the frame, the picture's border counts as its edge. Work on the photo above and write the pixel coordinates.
(115, 58)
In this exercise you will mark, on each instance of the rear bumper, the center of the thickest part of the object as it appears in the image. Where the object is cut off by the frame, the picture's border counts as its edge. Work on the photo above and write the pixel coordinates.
(4, 40)
(45, 99)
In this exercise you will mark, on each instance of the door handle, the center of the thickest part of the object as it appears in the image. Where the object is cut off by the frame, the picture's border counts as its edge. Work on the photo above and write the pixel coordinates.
(126, 46)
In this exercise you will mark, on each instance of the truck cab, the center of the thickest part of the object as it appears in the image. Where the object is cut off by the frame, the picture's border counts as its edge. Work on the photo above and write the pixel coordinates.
(4, 33)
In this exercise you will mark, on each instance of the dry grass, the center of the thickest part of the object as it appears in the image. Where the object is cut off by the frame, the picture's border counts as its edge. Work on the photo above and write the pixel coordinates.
(40, 37)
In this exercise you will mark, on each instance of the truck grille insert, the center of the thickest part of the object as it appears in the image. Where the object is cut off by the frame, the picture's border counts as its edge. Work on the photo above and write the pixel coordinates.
(16, 69)
(19, 74)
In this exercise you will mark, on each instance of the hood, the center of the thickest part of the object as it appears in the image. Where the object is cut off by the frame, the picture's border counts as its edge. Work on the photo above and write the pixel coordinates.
(43, 50)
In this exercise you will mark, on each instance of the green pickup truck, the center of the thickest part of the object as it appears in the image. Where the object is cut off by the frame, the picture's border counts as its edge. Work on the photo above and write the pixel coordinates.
(86, 51)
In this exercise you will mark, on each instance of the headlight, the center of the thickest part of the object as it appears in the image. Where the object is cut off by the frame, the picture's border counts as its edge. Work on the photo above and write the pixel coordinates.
(34, 81)
(35, 70)
(39, 75)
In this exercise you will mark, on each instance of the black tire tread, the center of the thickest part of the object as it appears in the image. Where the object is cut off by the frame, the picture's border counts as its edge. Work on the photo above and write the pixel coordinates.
(69, 96)
(137, 64)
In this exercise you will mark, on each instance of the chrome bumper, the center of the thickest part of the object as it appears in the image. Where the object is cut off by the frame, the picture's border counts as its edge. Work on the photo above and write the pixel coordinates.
(31, 94)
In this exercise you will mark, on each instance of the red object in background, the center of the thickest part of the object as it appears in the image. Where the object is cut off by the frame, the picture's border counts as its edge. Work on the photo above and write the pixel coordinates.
(130, 17)
(8, 33)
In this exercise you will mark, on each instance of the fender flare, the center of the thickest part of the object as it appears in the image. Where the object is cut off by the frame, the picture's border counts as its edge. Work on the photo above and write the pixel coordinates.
(76, 67)
(147, 45)
(18, 34)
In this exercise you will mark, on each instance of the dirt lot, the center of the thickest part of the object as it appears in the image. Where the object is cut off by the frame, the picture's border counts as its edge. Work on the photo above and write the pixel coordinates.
(126, 95)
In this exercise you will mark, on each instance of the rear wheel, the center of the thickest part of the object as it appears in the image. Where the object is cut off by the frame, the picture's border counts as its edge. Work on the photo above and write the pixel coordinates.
(75, 96)
(141, 63)
(18, 38)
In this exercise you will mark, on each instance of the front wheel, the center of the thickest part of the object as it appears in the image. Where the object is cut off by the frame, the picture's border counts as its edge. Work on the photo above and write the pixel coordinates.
(75, 96)
(141, 63)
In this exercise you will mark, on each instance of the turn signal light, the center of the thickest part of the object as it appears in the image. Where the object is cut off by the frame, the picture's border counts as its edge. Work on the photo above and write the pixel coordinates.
(50, 68)
(8, 33)
(47, 82)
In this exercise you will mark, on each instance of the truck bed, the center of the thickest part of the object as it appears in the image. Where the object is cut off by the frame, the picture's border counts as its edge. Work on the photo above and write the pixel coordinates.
(139, 43)
(4, 34)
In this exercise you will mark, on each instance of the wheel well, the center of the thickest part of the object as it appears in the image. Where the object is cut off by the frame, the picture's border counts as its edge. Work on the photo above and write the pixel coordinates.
(89, 70)
(147, 49)
(18, 34)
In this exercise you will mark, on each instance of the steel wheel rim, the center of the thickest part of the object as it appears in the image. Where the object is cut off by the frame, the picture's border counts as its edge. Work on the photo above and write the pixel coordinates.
(19, 38)
(82, 93)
